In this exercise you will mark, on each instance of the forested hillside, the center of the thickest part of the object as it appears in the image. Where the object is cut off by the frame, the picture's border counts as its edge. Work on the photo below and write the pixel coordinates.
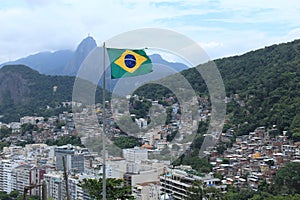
(263, 85)
(24, 91)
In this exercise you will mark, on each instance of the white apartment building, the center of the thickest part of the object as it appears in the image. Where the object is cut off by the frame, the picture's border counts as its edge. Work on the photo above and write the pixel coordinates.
(55, 185)
(13, 150)
(6, 167)
(115, 168)
(26, 175)
(146, 191)
(56, 188)
(135, 154)
(20, 177)
(76, 191)
(176, 182)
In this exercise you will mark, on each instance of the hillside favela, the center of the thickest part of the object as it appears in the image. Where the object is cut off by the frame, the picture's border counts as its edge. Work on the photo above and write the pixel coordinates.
(226, 128)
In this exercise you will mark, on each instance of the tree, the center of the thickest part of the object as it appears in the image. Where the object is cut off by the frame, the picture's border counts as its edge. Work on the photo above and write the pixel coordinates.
(287, 179)
(15, 195)
(289, 197)
(126, 142)
(213, 193)
(243, 194)
(115, 189)
(295, 128)
(296, 136)
(73, 140)
(26, 127)
(196, 191)
(4, 131)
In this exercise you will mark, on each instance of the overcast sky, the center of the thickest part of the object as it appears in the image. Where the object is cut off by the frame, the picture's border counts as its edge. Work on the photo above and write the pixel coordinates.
(221, 27)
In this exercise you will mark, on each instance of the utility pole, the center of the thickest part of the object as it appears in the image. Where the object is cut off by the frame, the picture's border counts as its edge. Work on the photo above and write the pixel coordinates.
(104, 128)
(66, 178)
(165, 183)
(25, 192)
(44, 190)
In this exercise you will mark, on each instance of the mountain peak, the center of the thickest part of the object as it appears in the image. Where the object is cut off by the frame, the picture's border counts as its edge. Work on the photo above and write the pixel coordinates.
(83, 49)
(87, 43)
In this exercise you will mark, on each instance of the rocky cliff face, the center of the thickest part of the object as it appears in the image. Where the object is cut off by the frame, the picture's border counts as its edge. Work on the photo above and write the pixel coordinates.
(14, 88)
(83, 49)
(24, 91)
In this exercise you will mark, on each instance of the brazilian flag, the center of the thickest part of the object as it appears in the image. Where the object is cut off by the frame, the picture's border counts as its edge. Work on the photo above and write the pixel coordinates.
(128, 63)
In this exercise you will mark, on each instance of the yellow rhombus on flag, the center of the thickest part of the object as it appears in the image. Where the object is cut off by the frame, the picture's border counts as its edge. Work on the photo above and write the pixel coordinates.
(128, 63)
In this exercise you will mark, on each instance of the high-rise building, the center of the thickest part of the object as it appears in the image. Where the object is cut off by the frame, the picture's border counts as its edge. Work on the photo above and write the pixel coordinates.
(27, 175)
(176, 182)
(55, 185)
(74, 158)
(6, 167)
(135, 154)
(75, 189)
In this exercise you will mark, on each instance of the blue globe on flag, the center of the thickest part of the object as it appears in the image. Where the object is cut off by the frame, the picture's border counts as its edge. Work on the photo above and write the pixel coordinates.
(130, 61)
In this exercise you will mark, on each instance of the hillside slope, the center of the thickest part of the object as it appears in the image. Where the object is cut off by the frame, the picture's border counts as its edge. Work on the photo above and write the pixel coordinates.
(263, 85)
(24, 91)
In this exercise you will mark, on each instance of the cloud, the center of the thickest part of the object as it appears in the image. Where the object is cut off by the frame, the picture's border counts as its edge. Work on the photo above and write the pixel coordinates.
(31, 26)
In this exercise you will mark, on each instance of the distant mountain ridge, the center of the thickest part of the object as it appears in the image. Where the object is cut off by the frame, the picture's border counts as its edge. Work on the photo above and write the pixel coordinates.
(62, 62)
(156, 58)
(50, 63)
(68, 62)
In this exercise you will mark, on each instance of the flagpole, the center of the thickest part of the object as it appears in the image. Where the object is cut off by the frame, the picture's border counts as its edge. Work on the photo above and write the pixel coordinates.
(104, 131)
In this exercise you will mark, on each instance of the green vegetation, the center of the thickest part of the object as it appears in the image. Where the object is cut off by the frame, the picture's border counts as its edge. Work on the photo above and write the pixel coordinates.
(264, 87)
(64, 140)
(154, 92)
(287, 180)
(139, 107)
(115, 189)
(4, 132)
(4, 144)
(196, 191)
(295, 128)
(126, 142)
(192, 157)
(26, 92)
(199, 191)
(267, 81)
(15, 195)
